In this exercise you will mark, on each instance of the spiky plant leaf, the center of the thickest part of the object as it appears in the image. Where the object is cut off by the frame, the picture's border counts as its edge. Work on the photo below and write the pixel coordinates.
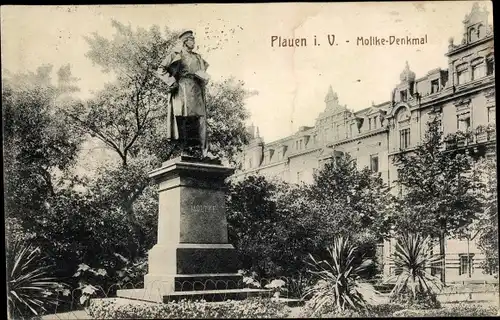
(30, 290)
(338, 282)
(412, 258)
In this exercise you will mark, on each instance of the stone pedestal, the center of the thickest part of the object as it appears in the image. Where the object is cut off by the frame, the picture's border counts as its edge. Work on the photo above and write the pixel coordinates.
(192, 256)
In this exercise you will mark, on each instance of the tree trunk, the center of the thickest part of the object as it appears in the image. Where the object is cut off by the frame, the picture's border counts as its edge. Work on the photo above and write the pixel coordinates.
(442, 253)
(468, 259)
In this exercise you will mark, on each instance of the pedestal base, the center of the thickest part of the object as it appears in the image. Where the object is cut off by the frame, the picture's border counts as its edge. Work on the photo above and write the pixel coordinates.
(192, 258)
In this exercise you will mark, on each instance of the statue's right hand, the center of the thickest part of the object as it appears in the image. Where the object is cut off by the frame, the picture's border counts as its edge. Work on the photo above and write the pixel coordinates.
(173, 87)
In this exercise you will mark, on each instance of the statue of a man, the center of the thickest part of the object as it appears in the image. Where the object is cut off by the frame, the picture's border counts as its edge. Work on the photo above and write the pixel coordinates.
(184, 72)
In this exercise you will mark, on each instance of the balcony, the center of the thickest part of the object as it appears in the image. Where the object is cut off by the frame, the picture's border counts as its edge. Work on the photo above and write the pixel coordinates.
(479, 137)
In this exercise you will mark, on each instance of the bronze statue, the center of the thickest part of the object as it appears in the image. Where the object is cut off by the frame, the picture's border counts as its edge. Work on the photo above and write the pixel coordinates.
(184, 72)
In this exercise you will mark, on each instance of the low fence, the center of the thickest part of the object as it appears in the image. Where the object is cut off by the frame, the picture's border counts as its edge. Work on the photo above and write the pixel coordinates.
(288, 290)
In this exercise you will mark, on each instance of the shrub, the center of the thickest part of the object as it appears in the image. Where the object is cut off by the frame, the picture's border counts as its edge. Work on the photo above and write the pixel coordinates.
(184, 309)
(372, 311)
(414, 284)
(458, 310)
(338, 287)
(384, 310)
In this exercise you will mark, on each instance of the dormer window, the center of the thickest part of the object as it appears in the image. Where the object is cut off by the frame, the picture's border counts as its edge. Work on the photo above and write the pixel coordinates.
(282, 152)
(434, 86)
(403, 94)
(269, 156)
(352, 129)
(480, 31)
(472, 34)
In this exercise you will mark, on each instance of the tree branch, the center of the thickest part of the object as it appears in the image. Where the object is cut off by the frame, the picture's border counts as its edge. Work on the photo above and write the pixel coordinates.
(100, 135)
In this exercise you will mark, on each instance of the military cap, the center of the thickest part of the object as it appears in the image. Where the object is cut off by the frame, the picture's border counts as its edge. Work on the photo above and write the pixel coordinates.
(186, 34)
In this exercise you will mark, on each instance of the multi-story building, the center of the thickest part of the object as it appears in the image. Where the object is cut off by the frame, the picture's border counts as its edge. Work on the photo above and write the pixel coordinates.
(461, 96)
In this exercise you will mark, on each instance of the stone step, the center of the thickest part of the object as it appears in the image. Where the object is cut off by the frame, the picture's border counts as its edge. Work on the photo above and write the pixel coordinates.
(207, 295)
(217, 295)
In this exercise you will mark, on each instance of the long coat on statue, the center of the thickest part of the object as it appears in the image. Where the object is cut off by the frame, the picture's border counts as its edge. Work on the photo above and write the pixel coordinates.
(188, 98)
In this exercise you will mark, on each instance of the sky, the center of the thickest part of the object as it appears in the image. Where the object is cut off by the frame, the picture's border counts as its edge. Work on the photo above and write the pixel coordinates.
(291, 81)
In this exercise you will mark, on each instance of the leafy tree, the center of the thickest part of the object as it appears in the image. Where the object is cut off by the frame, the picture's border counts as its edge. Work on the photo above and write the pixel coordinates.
(440, 189)
(38, 142)
(276, 225)
(270, 226)
(351, 201)
(488, 221)
(354, 203)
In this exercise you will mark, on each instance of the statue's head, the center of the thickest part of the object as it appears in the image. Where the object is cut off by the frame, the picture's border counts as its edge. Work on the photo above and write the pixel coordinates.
(187, 39)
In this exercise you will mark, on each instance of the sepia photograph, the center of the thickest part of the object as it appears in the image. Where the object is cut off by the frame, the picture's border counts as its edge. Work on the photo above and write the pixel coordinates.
(250, 160)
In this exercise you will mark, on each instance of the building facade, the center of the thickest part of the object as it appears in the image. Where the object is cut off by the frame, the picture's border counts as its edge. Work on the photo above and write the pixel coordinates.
(461, 96)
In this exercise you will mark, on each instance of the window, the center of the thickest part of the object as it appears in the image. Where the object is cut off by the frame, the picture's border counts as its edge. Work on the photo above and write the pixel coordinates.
(490, 66)
(440, 124)
(300, 144)
(404, 138)
(477, 72)
(369, 123)
(338, 131)
(435, 266)
(375, 122)
(491, 115)
(462, 76)
(403, 95)
(374, 163)
(299, 176)
(463, 122)
(462, 73)
(466, 264)
(434, 86)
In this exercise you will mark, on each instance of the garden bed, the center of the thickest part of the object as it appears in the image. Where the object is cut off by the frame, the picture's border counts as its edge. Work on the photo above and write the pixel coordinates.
(230, 309)
(394, 310)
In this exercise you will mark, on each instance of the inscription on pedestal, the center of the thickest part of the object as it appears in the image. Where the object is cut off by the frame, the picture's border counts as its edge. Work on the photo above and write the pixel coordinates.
(203, 209)
(203, 216)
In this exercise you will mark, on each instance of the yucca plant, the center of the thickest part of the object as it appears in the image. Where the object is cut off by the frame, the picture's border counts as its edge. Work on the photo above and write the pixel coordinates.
(338, 286)
(414, 284)
(29, 290)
